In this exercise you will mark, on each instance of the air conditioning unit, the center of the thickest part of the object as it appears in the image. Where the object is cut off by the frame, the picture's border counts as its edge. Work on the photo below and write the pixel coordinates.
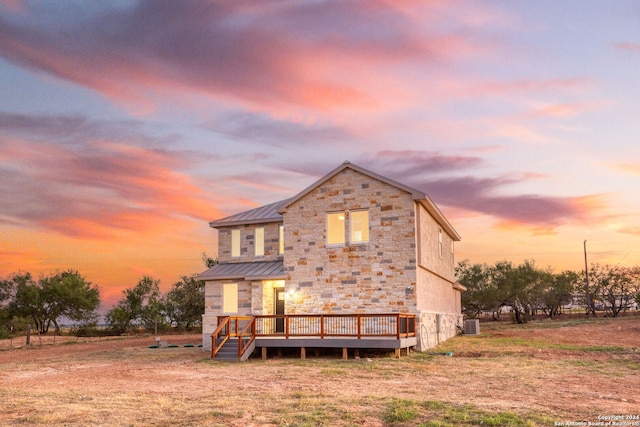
(472, 327)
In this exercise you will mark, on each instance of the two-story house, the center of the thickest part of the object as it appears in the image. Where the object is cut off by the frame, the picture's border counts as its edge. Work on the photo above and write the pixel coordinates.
(356, 260)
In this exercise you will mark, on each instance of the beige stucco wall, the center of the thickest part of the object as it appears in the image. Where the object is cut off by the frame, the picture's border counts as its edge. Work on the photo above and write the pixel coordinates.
(372, 277)
(429, 256)
(436, 271)
(247, 248)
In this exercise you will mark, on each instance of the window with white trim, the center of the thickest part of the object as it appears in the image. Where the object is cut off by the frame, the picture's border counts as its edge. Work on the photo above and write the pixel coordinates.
(453, 255)
(258, 241)
(235, 243)
(335, 228)
(230, 298)
(359, 226)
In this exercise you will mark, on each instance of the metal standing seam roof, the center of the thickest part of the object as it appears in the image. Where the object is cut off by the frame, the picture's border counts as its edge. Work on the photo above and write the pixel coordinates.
(273, 212)
(262, 214)
(262, 270)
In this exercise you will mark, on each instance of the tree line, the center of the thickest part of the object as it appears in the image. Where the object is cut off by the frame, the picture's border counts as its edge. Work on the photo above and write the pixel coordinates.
(67, 296)
(527, 290)
(144, 306)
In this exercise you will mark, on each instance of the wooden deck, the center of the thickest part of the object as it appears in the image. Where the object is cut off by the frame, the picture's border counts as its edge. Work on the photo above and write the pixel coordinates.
(346, 331)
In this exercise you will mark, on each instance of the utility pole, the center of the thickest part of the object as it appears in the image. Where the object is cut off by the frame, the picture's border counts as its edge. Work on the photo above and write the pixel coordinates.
(586, 276)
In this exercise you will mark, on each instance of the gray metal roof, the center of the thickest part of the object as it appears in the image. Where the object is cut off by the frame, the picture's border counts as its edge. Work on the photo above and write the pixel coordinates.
(273, 212)
(263, 270)
(262, 214)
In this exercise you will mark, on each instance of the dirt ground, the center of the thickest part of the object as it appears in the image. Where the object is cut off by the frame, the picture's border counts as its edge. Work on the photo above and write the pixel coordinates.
(542, 373)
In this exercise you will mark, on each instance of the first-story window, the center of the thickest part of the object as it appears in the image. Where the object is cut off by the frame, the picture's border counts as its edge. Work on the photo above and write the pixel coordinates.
(335, 228)
(235, 243)
(359, 226)
(230, 298)
(258, 241)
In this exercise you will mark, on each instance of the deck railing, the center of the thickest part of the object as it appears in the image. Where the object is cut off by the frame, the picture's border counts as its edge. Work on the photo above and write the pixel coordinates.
(395, 325)
(242, 327)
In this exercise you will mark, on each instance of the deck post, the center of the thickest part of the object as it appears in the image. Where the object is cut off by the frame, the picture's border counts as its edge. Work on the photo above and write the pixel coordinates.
(345, 353)
(397, 353)
(356, 353)
(264, 353)
(303, 353)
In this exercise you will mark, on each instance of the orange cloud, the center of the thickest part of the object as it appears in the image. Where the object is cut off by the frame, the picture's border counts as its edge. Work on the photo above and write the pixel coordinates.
(100, 188)
(566, 109)
(632, 168)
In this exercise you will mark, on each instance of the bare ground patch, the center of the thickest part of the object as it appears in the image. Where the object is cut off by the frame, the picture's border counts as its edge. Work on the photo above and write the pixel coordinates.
(509, 375)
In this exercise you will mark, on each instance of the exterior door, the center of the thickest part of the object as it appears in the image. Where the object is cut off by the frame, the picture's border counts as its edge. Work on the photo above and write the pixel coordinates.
(279, 309)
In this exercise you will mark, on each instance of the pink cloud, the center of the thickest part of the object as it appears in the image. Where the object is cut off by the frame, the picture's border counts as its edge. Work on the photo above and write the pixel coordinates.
(99, 188)
(500, 88)
(320, 56)
(14, 5)
(562, 110)
(628, 46)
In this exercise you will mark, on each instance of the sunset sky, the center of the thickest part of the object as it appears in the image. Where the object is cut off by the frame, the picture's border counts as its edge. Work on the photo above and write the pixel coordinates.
(126, 126)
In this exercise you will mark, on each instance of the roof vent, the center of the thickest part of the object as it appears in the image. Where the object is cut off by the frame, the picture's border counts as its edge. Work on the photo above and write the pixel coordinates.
(346, 162)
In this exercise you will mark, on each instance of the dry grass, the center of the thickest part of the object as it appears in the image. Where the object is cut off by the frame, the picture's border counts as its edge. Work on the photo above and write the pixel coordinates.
(507, 376)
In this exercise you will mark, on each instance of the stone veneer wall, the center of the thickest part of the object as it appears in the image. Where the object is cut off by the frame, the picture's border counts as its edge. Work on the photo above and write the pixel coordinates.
(213, 305)
(434, 328)
(374, 277)
(247, 248)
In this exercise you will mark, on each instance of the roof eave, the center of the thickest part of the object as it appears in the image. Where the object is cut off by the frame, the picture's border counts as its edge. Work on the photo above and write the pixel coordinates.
(416, 194)
(218, 224)
(268, 277)
(459, 287)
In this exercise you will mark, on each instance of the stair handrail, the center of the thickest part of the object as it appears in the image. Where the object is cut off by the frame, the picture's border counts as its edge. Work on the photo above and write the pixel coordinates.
(216, 334)
(243, 347)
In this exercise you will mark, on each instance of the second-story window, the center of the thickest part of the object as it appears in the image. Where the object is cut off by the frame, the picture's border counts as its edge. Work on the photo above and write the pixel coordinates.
(281, 240)
(440, 242)
(453, 255)
(258, 241)
(359, 226)
(235, 243)
(335, 228)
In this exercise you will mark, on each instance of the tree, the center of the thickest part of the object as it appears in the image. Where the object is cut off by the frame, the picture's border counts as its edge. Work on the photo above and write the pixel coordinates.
(616, 287)
(482, 294)
(63, 294)
(559, 292)
(141, 306)
(6, 294)
(525, 288)
(208, 261)
(184, 303)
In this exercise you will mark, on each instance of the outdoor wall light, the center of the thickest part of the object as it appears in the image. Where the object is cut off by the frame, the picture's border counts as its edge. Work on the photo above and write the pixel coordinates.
(292, 291)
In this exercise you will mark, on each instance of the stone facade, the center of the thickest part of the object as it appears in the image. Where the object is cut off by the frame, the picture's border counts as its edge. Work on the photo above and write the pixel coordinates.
(247, 243)
(405, 266)
(370, 277)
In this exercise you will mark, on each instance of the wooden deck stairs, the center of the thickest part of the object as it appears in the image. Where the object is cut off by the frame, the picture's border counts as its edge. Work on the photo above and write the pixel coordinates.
(229, 351)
